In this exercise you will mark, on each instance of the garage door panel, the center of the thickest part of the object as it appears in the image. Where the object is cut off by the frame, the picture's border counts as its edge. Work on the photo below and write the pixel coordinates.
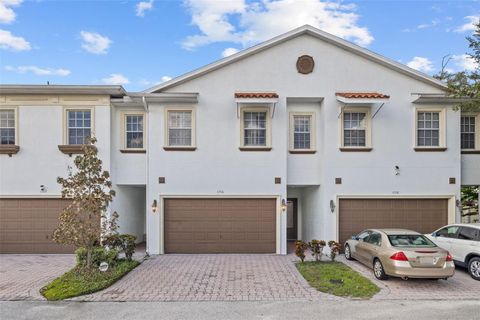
(27, 225)
(220, 225)
(422, 215)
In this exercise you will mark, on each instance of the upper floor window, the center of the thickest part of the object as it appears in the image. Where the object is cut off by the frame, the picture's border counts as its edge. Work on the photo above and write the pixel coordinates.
(356, 129)
(255, 129)
(430, 129)
(79, 126)
(180, 129)
(7, 127)
(469, 132)
(134, 131)
(302, 132)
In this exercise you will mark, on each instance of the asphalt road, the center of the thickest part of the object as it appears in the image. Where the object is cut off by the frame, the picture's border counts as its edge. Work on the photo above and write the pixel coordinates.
(290, 310)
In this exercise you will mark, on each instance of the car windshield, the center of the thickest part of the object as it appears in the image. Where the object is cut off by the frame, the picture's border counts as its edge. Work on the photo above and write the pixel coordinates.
(410, 240)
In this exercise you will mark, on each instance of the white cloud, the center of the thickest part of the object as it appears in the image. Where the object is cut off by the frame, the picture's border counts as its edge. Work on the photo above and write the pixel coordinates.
(428, 25)
(116, 79)
(421, 64)
(94, 42)
(228, 52)
(470, 25)
(39, 71)
(165, 79)
(7, 15)
(261, 20)
(10, 42)
(142, 7)
(463, 62)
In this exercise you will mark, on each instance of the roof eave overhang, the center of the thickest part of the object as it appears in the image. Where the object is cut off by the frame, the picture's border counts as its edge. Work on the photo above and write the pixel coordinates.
(437, 99)
(256, 100)
(114, 91)
(137, 99)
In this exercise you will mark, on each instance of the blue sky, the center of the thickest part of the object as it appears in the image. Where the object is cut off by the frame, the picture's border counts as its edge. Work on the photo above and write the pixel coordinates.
(141, 43)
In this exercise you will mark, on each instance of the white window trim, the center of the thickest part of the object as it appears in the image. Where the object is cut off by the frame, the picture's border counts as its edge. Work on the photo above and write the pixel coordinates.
(15, 112)
(442, 142)
(312, 131)
(124, 115)
(65, 121)
(268, 142)
(194, 127)
(477, 130)
(368, 128)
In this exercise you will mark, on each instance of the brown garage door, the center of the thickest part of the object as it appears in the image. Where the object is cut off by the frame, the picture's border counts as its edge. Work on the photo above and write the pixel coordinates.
(26, 225)
(421, 215)
(220, 225)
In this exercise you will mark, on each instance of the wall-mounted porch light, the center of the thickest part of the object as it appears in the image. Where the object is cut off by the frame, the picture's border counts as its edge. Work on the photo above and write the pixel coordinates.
(154, 206)
(332, 206)
(284, 205)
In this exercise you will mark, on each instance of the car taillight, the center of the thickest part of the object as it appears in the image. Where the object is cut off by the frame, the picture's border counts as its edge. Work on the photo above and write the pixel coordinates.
(399, 256)
(449, 257)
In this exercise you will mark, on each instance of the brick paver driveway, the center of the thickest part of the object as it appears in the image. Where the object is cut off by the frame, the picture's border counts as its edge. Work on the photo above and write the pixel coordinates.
(460, 286)
(22, 275)
(222, 277)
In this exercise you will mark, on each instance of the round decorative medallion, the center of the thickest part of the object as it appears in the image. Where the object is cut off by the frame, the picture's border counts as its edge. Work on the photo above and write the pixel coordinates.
(305, 64)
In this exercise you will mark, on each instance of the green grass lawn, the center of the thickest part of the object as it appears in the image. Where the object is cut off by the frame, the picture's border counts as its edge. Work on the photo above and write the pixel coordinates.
(77, 281)
(337, 279)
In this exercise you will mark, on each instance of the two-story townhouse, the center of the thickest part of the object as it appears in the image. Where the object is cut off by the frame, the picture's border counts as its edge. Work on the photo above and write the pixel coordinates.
(303, 136)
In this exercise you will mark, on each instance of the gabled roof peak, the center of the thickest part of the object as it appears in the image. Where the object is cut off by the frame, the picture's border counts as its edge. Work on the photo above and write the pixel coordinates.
(305, 29)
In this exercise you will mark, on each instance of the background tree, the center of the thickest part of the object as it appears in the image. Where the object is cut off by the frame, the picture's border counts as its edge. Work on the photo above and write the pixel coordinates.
(89, 187)
(465, 84)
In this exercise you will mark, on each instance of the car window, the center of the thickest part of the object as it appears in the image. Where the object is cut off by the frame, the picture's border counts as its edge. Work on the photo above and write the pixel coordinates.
(448, 232)
(410, 240)
(375, 239)
(467, 233)
(363, 235)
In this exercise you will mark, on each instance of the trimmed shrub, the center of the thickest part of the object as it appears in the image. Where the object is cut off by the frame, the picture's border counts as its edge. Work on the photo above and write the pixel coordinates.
(99, 255)
(334, 249)
(123, 243)
(316, 246)
(300, 248)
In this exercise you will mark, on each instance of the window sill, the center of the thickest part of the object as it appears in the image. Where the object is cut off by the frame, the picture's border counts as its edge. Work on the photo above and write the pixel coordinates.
(9, 149)
(179, 148)
(72, 149)
(470, 151)
(431, 149)
(255, 148)
(355, 149)
(302, 151)
(133, 151)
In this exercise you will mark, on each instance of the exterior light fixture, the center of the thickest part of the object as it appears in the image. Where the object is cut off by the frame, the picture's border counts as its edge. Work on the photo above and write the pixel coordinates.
(332, 206)
(154, 206)
(284, 205)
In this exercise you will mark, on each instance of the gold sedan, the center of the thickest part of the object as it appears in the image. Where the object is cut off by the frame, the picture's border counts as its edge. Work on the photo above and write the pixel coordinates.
(399, 253)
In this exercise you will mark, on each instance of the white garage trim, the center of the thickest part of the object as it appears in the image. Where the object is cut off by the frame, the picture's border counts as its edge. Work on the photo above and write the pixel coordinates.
(450, 198)
(161, 212)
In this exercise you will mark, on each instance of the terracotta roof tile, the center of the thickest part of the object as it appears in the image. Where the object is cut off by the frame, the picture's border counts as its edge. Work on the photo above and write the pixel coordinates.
(362, 95)
(257, 95)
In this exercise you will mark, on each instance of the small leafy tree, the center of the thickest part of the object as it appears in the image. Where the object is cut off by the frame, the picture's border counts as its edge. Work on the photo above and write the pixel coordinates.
(470, 205)
(89, 188)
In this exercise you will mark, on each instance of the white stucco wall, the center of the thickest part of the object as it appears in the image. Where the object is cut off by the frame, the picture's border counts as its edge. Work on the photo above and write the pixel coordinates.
(218, 165)
(39, 162)
(470, 169)
(129, 203)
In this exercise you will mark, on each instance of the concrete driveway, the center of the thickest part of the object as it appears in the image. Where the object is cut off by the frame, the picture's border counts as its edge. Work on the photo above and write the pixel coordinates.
(22, 275)
(459, 287)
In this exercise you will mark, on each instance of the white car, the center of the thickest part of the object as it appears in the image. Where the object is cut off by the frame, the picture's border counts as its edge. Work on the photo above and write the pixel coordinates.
(463, 243)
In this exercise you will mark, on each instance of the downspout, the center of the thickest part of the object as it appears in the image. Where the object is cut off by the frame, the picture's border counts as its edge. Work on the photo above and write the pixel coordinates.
(145, 107)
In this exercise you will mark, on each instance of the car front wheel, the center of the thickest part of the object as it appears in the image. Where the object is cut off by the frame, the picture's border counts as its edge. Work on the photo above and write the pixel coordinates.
(378, 270)
(348, 253)
(474, 268)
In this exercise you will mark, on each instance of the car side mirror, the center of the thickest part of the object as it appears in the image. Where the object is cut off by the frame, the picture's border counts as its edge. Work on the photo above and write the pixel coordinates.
(355, 238)
(434, 234)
